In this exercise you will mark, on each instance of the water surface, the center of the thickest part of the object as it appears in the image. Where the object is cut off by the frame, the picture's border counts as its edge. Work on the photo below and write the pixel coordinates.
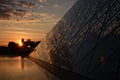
(17, 68)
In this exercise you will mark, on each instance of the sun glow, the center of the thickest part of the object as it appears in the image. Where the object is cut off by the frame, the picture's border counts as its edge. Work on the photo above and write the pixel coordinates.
(20, 43)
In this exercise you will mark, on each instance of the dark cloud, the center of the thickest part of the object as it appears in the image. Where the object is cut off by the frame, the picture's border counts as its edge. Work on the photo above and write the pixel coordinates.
(9, 8)
(27, 4)
(5, 9)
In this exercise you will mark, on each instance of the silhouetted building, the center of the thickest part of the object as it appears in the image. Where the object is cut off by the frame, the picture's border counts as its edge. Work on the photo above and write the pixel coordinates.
(86, 40)
(23, 50)
(12, 45)
(22, 40)
(3, 50)
(28, 43)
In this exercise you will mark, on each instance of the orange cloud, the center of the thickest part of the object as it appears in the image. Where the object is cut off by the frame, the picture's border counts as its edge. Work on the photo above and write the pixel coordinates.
(42, 1)
(20, 21)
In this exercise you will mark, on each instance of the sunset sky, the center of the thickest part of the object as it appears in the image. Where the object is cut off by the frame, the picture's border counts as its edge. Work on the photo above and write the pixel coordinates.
(29, 19)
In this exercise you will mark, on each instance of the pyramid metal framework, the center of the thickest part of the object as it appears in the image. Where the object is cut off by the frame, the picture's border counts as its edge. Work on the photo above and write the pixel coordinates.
(86, 40)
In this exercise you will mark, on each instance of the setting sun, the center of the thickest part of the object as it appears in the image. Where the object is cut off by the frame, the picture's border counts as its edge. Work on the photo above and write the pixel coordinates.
(20, 43)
